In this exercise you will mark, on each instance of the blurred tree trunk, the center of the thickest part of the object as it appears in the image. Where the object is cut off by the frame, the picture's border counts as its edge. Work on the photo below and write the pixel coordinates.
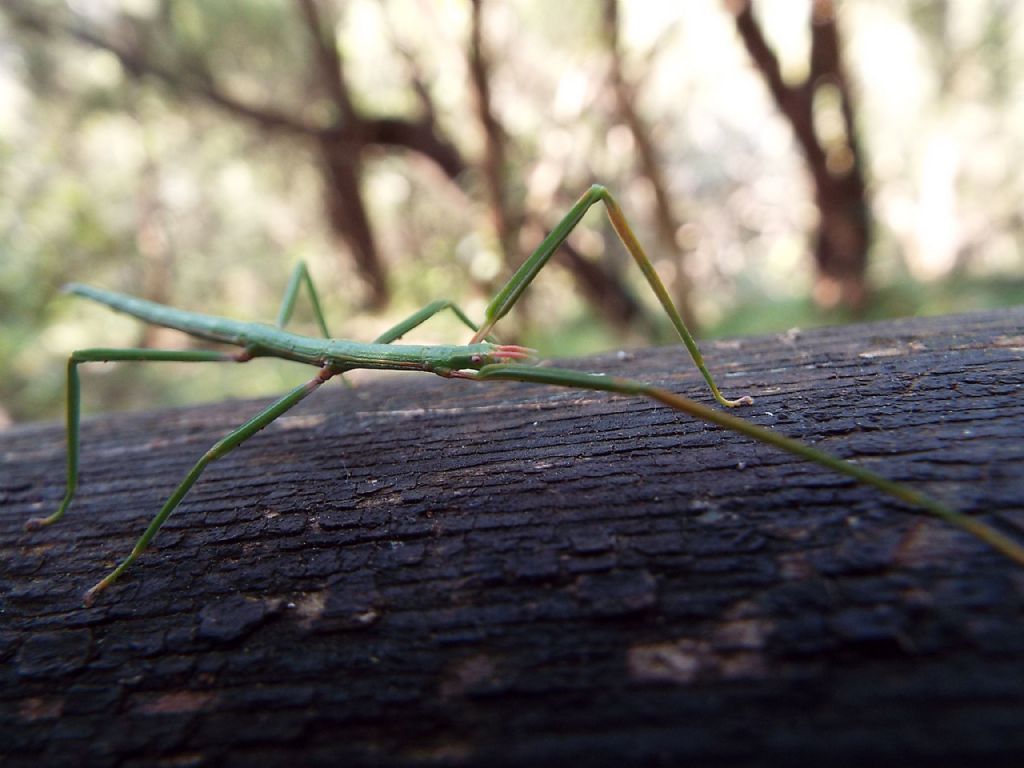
(341, 152)
(666, 223)
(602, 289)
(835, 163)
(506, 222)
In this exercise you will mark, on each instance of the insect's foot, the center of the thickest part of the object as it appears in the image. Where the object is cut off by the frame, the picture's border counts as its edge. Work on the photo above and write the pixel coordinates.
(745, 400)
(35, 523)
(90, 597)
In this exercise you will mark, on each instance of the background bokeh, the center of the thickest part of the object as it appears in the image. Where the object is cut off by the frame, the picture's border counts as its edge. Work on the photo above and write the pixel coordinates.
(191, 151)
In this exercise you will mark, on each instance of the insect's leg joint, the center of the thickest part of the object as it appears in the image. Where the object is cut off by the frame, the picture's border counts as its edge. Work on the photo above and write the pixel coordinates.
(327, 372)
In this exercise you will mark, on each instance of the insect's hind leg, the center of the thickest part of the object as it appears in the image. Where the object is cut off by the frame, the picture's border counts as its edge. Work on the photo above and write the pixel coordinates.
(567, 378)
(74, 402)
(222, 447)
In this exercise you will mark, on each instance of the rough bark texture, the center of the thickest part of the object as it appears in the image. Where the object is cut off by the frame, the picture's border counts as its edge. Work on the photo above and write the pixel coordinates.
(441, 572)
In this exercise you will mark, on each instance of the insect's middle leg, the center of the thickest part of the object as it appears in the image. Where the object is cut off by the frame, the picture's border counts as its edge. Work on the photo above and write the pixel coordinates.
(417, 319)
(300, 276)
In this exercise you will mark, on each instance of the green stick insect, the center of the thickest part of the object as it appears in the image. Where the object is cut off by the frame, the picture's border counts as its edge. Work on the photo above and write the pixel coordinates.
(479, 360)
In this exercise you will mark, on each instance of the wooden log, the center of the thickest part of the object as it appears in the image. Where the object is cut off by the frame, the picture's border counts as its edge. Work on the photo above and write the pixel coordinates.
(442, 572)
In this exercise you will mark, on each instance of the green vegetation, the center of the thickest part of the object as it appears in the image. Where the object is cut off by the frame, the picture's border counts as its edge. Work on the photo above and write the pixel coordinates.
(193, 151)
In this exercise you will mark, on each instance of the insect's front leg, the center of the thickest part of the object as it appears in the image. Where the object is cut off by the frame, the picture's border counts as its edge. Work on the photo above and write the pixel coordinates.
(509, 295)
(419, 317)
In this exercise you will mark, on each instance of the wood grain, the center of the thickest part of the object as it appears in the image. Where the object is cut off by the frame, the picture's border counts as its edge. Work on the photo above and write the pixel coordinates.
(434, 572)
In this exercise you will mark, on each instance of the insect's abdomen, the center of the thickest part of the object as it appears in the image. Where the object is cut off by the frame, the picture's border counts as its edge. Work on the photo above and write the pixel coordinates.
(205, 326)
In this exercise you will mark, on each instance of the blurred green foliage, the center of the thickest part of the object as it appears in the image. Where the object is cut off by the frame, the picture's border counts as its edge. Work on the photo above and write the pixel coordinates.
(134, 184)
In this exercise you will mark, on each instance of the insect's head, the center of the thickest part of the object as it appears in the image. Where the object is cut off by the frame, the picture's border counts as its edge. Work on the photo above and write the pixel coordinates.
(464, 362)
(505, 353)
(475, 356)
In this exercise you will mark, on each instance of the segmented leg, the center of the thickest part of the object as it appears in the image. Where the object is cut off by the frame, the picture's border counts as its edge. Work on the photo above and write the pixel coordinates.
(507, 296)
(578, 380)
(74, 402)
(222, 447)
(418, 318)
(299, 277)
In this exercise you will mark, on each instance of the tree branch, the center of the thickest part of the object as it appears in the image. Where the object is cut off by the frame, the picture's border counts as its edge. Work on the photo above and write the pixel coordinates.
(827, 64)
(419, 136)
(139, 65)
(794, 103)
(441, 572)
(416, 79)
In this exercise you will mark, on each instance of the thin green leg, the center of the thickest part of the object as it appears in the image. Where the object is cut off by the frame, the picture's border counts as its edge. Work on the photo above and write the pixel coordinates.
(577, 380)
(219, 449)
(507, 296)
(74, 403)
(418, 318)
(300, 276)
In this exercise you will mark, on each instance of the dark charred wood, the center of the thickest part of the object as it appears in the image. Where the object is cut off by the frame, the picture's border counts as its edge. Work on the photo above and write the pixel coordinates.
(435, 572)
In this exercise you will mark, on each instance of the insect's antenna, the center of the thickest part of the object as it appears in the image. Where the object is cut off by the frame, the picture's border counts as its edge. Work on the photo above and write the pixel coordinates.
(509, 295)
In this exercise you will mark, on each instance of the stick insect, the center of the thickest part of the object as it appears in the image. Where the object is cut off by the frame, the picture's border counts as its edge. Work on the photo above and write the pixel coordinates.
(481, 360)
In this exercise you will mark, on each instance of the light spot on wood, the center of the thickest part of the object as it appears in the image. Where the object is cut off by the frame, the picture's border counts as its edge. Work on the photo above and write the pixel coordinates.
(366, 617)
(677, 662)
(300, 422)
(897, 351)
(727, 344)
(741, 634)
(882, 352)
(174, 702)
(929, 543)
(468, 676)
(1016, 343)
(310, 606)
(686, 661)
(41, 708)
(794, 566)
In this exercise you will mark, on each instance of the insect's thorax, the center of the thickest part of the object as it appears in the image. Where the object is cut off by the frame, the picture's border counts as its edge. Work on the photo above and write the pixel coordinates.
(347, 355)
